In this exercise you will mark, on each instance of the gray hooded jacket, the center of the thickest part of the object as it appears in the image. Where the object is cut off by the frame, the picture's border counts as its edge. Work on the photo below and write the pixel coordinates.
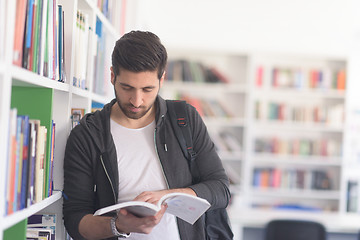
(91, 174)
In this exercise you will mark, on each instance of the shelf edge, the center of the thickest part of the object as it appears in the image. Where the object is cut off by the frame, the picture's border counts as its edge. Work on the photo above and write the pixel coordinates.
(18, 216)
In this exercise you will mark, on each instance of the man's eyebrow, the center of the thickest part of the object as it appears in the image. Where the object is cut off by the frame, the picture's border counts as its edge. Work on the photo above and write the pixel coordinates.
(127, 85)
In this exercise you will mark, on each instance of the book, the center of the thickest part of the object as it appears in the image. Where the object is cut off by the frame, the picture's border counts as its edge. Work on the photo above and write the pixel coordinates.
(50, 165)
(185, 206)
(19, 32)
(28, 34)
(38, 234)
(18, 164)
(12, 161)
(25, 162)
(34, 126)
(42, 222)
(39, 163)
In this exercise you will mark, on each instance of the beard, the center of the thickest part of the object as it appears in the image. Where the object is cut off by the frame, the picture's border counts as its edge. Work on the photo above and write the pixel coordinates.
(126, 109)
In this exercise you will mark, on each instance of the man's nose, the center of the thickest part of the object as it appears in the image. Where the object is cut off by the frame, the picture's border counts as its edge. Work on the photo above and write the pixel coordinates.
(136, 99)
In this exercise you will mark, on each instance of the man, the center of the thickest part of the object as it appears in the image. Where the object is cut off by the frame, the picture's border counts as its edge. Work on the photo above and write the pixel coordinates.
(129, 151)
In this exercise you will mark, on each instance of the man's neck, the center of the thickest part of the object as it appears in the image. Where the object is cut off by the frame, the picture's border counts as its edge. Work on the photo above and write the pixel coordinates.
(119, 117)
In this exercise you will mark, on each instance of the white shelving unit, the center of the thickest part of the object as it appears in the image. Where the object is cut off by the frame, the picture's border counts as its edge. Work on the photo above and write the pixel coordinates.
(269, 129)
(65, 97)
(248, 128)
(234, 96)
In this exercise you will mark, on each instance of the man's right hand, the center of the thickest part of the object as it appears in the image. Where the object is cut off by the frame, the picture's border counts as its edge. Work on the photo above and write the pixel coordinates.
(127, 222)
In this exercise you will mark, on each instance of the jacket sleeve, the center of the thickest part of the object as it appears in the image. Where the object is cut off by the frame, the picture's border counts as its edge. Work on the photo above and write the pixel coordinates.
(214, 183)
(78, 193)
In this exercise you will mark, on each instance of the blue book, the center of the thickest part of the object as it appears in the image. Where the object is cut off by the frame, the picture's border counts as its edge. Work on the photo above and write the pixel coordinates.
(25, 160)
(60, 35)
(28, 33)
(17, 162)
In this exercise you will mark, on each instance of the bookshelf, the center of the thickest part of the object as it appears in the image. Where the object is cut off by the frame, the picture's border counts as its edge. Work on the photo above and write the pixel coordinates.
(267, 141)
(43, 98)
(222, 100)
(298, 112)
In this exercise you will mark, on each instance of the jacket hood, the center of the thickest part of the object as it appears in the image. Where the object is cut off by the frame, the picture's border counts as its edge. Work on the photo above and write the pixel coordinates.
(97, 124)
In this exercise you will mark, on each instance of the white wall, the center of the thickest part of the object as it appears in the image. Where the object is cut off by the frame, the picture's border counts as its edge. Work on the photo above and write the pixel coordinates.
(316, 27)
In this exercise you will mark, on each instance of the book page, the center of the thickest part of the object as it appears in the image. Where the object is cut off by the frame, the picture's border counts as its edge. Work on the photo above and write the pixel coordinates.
(187, 207)
(136, 207)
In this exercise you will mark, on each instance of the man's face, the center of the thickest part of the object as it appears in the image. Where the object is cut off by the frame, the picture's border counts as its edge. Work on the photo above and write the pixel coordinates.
(136, 92)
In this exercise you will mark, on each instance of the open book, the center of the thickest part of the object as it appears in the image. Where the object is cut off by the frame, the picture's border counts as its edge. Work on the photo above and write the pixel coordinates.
(185, 206)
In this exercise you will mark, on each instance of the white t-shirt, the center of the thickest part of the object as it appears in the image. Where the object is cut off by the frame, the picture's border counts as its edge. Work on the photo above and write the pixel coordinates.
(140, 170)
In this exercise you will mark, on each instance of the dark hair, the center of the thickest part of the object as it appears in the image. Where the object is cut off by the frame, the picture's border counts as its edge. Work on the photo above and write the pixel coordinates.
(139, 51)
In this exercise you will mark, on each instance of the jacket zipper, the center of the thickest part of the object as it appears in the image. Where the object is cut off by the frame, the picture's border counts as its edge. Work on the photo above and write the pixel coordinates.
(107, 175)
(158, 157)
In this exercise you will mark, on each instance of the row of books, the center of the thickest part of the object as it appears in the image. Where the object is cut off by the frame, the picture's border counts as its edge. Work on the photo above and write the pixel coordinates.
(29, 167)
(326, 147)
(330, 114)
(295, 206)
(41, 227)
(91, 61)
(208, 107)
(226, 141)
(301, 78)
(114, 11)
(276, 178)
(190, 71)
(39, 38)
(100, 76)
(84, 49)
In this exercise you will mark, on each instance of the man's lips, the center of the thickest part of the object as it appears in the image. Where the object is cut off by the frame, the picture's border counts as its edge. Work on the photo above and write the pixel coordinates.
(134, 109)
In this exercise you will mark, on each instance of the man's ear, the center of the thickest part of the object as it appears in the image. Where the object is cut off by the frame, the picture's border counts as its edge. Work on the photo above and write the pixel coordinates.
(112, 75)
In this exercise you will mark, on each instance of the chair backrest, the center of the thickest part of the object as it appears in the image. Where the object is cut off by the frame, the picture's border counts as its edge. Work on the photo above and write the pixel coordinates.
(285, 229)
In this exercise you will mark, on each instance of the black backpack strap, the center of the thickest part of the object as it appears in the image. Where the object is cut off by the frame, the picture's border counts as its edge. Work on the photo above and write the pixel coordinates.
(179, 119)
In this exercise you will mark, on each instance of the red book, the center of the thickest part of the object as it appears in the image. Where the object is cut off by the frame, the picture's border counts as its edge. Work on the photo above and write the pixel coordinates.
(276, 178)
(259, 76)
(19, 32)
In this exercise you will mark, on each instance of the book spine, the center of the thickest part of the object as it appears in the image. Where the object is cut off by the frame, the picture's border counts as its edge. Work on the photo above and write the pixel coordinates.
(25, 160)
(11, 162)
(21, 6)
(28, 34)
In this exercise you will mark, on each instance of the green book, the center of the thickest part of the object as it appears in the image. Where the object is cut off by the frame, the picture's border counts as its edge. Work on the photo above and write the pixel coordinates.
(36, 36)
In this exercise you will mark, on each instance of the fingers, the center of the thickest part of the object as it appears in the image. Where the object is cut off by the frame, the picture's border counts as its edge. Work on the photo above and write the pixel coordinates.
(151, 197)
(162, 211)
(128, 222)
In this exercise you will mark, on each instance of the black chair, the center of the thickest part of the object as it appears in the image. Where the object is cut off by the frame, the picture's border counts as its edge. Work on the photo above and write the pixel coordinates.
(285, 229)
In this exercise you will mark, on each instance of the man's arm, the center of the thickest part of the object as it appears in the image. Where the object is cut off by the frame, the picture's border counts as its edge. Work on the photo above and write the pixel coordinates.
(98, 227)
